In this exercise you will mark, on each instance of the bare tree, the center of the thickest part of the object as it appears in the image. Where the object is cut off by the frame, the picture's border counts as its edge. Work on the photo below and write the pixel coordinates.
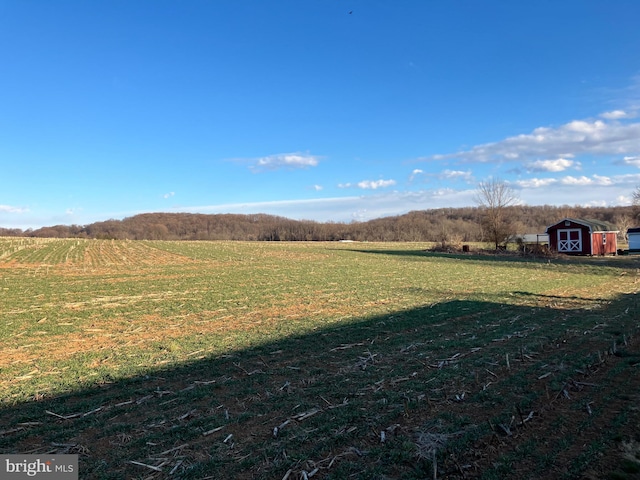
(635, 202)
(494, 197)
(624, 222)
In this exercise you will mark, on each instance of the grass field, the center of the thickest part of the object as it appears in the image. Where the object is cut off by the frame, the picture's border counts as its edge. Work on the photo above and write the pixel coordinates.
(277, 360)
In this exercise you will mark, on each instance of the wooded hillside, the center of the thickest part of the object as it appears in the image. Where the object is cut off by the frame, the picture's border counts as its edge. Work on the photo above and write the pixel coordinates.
(440, 225)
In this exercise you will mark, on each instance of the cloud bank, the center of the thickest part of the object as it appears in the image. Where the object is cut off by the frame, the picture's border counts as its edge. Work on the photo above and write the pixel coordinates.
(12, 209)
(557, 165)
(579, 137)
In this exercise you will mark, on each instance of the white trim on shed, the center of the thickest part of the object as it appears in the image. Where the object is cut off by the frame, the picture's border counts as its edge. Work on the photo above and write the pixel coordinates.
(569, 240)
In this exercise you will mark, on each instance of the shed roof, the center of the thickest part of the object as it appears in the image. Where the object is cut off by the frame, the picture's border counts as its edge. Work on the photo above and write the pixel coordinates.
(593, 225)
(633, 230)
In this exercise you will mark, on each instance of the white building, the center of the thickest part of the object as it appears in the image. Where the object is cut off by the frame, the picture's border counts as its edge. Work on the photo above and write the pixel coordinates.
(634, 239)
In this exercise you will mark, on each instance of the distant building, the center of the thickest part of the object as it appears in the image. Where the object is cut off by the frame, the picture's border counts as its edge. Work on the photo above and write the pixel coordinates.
(633, 234)
(531, 243)
(531, 239)
(576, 236)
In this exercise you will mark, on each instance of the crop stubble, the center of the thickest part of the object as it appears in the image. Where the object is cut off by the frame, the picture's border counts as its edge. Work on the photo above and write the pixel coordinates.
(398, 354)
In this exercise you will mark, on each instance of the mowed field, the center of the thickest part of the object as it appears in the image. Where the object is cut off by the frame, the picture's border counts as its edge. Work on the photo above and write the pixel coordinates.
(241, 360)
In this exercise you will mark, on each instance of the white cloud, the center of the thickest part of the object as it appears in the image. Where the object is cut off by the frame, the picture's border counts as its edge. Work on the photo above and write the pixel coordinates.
(375, 184)
(12, 209)
(456, 174)
(601, 191)
(369, 184)
(574, 138)
(634, 161)
(557, 165)
(615, 114)
(317, 188)
(609, 191)
(595, 203)
(347, 209)
(285, 160)
(569, 180)
(360, 215)
(625, 180)
(415, 173)
(594, 180)
(602, 180)
(168, 195)
(535, 182)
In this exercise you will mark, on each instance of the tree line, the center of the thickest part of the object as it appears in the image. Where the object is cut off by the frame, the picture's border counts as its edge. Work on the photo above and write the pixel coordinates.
(446, 225)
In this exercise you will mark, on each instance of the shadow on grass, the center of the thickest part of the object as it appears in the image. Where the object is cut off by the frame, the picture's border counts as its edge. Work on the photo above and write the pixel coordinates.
(622, 262)
(357, 399)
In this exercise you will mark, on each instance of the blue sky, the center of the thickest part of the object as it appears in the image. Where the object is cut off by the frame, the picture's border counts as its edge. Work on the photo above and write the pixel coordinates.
(335, 110)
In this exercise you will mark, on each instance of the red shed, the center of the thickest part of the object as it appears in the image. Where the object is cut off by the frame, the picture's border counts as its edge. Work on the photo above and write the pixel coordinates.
(576, 236)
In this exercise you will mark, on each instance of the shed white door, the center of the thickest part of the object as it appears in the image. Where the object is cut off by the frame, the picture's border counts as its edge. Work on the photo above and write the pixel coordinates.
(570, 240)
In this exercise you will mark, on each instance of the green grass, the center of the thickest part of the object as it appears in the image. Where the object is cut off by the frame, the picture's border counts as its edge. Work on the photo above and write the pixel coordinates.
(154, 344)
